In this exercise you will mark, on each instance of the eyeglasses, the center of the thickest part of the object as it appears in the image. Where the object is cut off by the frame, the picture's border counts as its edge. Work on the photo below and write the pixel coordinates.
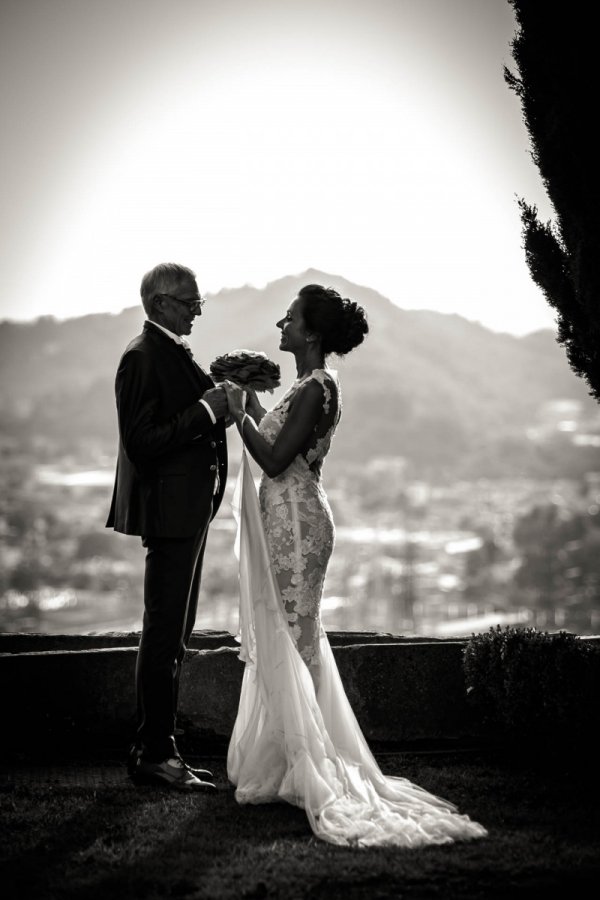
(194, 304)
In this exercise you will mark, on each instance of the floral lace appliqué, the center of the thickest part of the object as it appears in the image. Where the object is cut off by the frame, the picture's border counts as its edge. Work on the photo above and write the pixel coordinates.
(297, 518)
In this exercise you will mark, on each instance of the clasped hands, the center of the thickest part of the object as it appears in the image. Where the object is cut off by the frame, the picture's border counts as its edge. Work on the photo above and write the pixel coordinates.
(239, 400)
(229, 400)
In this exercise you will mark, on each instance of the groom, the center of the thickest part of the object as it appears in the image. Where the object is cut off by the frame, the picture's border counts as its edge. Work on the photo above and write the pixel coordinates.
(171, 473)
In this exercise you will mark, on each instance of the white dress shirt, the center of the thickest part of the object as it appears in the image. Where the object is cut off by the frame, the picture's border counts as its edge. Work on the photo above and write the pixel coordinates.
(179, 340)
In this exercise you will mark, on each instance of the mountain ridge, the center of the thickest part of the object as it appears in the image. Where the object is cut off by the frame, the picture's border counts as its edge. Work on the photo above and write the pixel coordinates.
(422, 379)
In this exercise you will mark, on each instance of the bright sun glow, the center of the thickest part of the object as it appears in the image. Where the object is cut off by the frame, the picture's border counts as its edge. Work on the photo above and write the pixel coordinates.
(249, 166)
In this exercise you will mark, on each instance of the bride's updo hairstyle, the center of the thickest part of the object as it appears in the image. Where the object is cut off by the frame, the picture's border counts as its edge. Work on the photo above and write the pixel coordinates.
(340, 323)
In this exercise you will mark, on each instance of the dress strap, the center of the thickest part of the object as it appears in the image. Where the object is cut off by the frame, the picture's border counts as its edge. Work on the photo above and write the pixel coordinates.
(323, 376)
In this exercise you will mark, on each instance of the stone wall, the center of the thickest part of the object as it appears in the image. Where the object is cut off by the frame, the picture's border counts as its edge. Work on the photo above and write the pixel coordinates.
(74, 693)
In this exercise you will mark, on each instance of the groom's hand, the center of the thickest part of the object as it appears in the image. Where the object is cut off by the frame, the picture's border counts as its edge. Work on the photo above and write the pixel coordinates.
(217, 400)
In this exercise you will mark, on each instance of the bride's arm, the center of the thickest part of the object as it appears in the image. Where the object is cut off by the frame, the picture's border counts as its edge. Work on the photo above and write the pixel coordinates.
(253, 407)
(304, 413)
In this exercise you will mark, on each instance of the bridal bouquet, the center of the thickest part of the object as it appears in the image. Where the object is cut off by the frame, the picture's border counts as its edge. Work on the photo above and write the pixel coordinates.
(247, 369)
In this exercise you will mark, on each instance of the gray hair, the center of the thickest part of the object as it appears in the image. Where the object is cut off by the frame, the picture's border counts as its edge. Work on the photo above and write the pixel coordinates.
(161, 279)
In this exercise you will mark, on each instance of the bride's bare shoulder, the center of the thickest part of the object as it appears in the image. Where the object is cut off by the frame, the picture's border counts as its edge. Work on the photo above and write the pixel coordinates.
(315, 393)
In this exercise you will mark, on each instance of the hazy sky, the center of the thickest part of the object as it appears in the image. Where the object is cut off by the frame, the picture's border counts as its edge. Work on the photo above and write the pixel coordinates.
(251, 139)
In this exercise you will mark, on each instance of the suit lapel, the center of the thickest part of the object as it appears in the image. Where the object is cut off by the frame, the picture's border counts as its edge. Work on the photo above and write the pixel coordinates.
(196, 375)
(204, 376)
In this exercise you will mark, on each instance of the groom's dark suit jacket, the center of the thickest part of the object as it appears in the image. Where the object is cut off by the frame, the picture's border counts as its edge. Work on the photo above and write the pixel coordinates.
(170, 453)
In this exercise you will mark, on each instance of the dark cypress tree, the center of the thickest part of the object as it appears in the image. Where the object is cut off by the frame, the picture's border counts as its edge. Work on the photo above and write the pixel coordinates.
(558, 82)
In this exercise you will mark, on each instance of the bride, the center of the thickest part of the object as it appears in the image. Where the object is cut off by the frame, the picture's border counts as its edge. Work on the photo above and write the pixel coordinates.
(295, 737)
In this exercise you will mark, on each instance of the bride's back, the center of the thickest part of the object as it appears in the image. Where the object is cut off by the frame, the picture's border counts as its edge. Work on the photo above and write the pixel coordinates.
(319, 442)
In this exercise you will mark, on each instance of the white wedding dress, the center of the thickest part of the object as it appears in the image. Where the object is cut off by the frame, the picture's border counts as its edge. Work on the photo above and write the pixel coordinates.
(295, 737)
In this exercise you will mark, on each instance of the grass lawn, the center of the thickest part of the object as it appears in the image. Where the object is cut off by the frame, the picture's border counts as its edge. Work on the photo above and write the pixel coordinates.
(101, 838)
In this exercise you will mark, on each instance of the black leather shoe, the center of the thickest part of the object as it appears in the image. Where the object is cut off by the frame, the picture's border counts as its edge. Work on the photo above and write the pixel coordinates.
(170, 772)
(199, 773)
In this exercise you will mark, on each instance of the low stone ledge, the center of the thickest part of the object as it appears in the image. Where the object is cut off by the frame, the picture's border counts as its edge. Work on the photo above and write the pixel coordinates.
(20, 642)
(409, 692)
(56, 700)
(36, 643)
(209, 694)
(400, 692)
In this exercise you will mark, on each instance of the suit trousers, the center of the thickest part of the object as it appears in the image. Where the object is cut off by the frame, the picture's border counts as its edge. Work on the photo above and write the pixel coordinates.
(171, 587)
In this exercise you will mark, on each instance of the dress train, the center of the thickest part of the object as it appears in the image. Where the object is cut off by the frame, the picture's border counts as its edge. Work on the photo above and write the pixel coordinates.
(293, 743)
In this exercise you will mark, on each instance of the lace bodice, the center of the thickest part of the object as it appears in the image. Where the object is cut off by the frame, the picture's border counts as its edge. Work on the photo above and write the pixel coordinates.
(272, 422)
(296, 515)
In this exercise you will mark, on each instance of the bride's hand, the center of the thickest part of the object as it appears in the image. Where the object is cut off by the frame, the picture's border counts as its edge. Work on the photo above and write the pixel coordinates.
(235, 399)
(252, 405)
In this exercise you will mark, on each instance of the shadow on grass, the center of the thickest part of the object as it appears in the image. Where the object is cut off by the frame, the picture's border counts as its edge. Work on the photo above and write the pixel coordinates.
(125, 842)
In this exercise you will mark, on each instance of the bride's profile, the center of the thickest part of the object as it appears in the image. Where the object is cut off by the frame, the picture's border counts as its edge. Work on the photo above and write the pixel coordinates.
(296, 737)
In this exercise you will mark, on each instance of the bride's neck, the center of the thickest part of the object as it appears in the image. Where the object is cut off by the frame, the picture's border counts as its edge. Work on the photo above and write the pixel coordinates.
(312, 358)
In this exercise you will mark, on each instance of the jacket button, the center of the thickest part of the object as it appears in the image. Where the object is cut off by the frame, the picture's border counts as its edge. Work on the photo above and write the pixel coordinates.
(213, 468)
(213, 444)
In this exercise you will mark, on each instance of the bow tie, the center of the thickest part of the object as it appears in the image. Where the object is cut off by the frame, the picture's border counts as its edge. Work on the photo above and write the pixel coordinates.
(186, 347)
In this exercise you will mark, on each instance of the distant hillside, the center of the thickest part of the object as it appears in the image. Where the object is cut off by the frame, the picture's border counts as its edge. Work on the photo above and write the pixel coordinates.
(435, 388)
